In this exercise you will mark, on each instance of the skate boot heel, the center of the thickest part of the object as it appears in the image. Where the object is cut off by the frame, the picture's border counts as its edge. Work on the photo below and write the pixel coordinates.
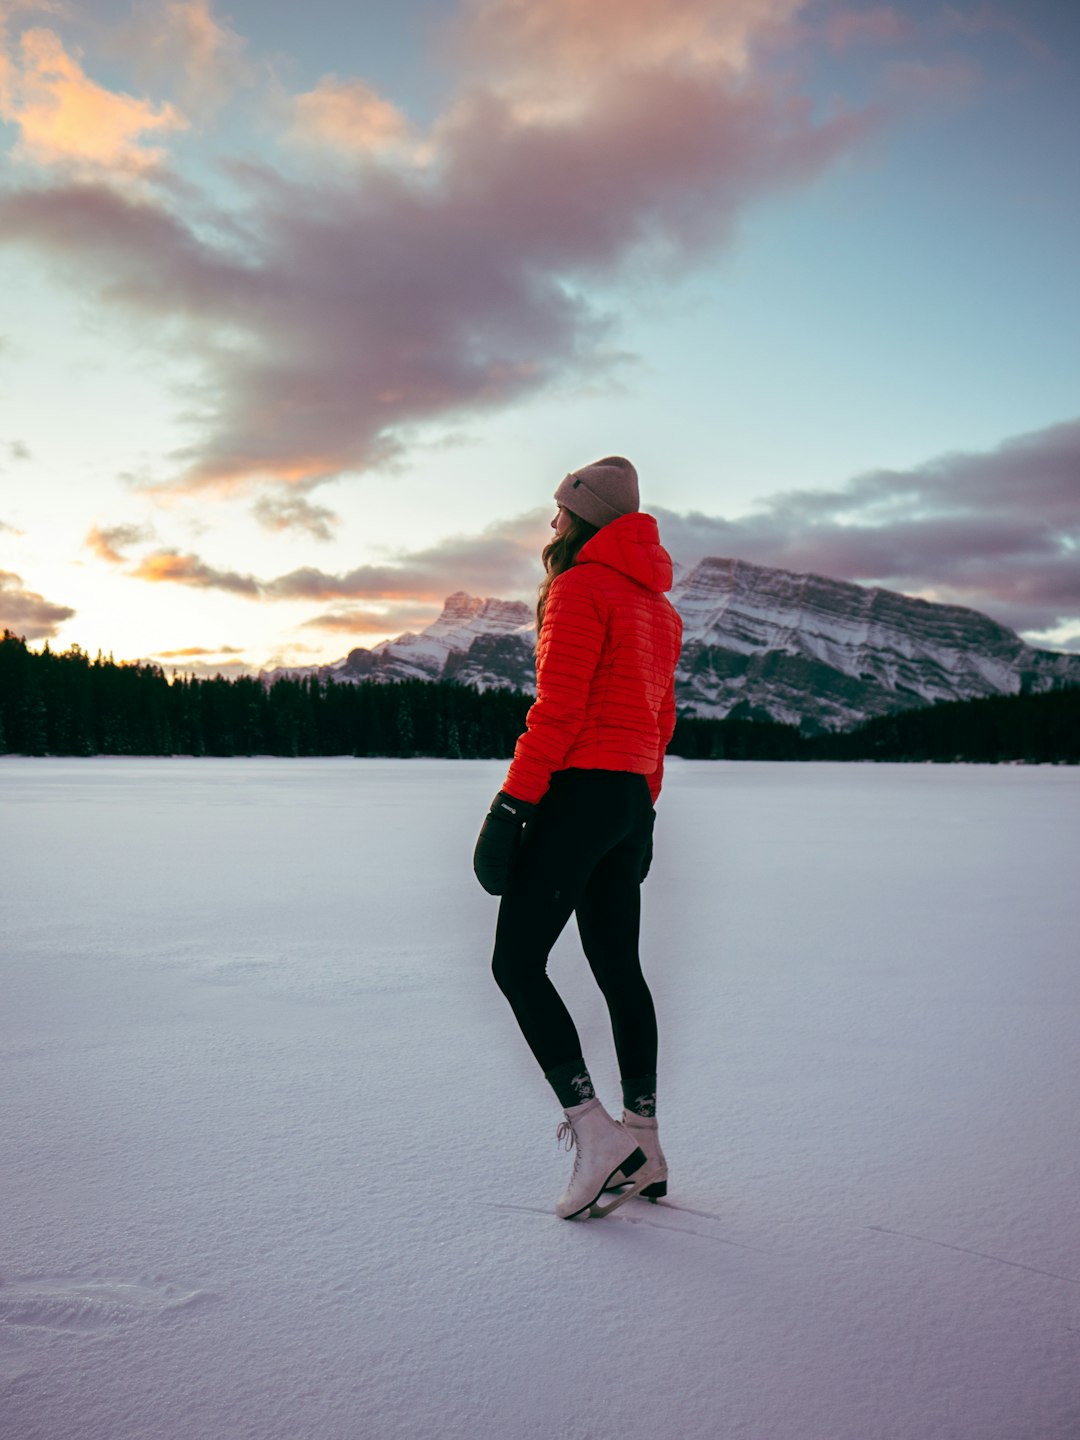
(600, 1146)
(643, 1129)
(632, 1165)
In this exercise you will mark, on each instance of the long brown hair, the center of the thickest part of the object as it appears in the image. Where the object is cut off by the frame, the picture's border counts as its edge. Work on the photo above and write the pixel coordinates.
(559, 556)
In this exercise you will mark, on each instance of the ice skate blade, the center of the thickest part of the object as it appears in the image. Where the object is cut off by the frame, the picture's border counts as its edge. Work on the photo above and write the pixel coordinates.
(656, 1191)
(633, 1165)
(598, 1211)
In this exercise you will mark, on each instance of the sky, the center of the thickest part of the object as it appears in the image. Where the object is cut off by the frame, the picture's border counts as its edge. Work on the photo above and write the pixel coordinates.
(305, 311)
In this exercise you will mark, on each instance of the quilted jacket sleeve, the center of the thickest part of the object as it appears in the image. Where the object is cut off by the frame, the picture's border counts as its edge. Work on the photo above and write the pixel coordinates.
(666, 725)
(571, 640)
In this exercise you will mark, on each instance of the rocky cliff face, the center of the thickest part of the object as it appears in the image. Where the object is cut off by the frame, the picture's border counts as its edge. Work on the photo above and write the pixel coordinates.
(825, 653)
(759, 643)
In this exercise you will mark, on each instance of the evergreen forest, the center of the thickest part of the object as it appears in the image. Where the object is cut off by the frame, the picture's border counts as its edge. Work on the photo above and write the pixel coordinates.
(69, 704)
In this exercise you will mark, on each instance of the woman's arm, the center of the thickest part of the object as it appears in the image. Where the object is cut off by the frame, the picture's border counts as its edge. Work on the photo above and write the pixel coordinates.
(666, 725)
(571, 639)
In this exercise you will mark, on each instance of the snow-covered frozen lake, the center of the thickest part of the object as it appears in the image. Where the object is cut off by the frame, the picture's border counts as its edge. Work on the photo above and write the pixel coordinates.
(277, 1164)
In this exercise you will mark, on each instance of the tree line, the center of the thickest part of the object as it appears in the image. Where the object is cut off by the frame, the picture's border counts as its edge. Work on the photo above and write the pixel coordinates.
(70, 704)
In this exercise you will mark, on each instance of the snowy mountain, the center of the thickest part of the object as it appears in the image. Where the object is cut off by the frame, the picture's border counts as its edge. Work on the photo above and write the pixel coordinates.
(486, 643)
(758, 643)
(804, 649)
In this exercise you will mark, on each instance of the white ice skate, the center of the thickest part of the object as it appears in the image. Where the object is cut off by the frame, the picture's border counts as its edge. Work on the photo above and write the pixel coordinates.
(602, 1149)
(643, 1129)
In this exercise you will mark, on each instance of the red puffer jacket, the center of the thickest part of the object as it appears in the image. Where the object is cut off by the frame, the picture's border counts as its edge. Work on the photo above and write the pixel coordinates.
(605, 664)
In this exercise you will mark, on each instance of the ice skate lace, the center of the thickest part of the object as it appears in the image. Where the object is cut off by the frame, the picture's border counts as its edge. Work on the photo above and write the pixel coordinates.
(566, 1136)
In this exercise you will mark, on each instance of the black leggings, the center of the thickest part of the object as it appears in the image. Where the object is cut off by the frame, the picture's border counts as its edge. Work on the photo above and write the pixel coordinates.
(582, 853)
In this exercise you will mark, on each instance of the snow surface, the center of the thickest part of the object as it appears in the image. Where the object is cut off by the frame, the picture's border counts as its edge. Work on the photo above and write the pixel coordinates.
(277, 1163)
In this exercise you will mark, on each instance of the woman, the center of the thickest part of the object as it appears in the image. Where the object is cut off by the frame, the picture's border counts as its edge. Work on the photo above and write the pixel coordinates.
(582, 786)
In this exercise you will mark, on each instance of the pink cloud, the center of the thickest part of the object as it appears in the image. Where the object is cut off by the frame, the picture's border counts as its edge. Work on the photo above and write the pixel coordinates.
(881, 25)
(334, 314)
(544, 49)
(998, 531)
(502, 560)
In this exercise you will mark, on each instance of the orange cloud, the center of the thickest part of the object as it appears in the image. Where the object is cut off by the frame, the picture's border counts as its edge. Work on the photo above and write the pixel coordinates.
(501, 560)
(191, 651)
(168, 566)
(347, 115)
(66, 119)
(391, 621)
(108, 543)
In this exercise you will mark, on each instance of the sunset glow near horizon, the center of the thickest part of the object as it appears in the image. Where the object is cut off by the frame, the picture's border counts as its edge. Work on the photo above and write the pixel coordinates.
(307, 310)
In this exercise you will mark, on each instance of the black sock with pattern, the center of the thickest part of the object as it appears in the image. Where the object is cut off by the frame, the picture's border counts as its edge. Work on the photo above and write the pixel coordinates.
(639, 1096)
(571, 1083)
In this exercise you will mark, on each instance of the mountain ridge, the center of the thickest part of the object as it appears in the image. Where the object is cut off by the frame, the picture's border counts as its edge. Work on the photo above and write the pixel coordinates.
(759, 642)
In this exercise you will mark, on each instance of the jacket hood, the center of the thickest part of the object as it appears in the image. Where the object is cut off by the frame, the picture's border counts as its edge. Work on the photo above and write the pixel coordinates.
(631, 545)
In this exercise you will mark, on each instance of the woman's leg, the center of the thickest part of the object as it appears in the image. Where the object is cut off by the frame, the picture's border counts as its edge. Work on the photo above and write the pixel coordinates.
(608, 916)
(608, 919)
(584, 815)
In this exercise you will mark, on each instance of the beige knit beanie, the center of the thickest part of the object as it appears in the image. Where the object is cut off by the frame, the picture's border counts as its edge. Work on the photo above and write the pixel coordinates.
(600, 492)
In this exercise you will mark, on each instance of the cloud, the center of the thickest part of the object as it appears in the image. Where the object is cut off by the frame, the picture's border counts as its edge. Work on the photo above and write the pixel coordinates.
(18, 450)
(214, 669)
(978, 20)
(931, 81)
(10, 8)
(335, 312)
(108, 543)
(998, 531)
(388, 620)
(293, 512)
(563, 43)
(193, 651)
(182, 45)
(881, 25)
(67, 120)
(169, 566)
(503, 560)
(26, 613)
(347, 115)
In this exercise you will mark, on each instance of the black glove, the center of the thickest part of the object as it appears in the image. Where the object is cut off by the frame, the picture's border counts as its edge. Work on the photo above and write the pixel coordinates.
(646, 859)
(500, 836)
